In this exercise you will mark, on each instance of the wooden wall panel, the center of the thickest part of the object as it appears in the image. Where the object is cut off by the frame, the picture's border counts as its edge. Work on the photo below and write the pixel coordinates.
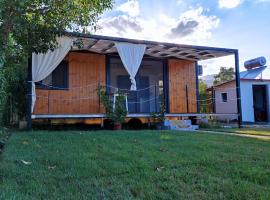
(85, 71)
(182, 74)
(42, 102)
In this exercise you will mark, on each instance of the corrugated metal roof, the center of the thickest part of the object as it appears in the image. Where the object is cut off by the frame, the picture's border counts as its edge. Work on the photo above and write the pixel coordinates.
(252, 73)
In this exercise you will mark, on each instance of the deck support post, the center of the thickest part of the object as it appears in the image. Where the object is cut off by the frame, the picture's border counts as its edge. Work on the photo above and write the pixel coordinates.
(213, 100)
(156, 106)
(197, 87)
(99, 101)
(238, 91)
(29, 94)
(187, 102)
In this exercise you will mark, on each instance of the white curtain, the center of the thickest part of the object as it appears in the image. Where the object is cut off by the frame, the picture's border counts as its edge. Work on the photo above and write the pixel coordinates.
(44, 64)
(131, 56)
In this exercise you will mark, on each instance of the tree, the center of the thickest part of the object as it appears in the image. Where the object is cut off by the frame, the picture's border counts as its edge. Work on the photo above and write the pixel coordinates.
(34, 24)
(28, 26)
(203, 95)
(225, 74)
(13, 85)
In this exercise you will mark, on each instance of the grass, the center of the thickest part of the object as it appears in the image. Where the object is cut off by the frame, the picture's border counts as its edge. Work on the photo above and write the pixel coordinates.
(134, 165)
(249, 131)
(3, 134)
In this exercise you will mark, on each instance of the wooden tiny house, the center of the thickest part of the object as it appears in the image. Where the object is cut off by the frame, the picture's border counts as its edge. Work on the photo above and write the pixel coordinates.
(85, 71)
(69, 92)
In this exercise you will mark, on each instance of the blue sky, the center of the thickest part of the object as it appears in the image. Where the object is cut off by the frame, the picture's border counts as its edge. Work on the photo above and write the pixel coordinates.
(240, 24)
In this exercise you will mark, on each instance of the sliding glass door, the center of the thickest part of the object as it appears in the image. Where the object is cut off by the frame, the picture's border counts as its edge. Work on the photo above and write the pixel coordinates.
(149, 79)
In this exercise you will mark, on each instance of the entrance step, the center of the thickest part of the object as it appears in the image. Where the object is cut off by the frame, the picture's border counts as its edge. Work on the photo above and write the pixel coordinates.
(181, 125)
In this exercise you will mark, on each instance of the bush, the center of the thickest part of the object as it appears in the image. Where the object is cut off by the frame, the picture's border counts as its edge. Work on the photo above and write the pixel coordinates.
(13, 86)
(118, 113)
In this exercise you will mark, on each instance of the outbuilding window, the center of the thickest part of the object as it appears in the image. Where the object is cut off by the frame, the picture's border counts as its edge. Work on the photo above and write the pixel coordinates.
(224, 97)
(58, 79)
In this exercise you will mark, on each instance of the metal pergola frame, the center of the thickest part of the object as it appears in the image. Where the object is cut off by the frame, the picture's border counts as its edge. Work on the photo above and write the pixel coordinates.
(106, 45)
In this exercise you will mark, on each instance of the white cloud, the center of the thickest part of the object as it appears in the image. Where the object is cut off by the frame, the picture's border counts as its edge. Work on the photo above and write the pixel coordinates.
(131, 7)
(179, 2)
(262, 1)
(119, 25)
(229, 3)
(192, 27)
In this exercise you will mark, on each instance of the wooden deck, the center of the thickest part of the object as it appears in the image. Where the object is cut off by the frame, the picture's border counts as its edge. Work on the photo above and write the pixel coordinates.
(128, 116)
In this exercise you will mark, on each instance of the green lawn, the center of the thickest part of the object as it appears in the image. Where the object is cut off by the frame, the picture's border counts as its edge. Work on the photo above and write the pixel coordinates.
(134, 165)
(249, 131)
(3, 134)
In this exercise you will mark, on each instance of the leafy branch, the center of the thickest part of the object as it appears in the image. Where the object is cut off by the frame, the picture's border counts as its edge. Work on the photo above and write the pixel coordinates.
(116, 113)
(160, 116)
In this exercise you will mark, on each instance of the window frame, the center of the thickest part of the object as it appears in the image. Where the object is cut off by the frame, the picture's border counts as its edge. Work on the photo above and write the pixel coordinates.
(164, 64)
(66, 87)
(223, 99)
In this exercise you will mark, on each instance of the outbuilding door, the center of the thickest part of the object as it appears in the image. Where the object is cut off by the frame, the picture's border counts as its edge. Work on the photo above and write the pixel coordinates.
(260, 103)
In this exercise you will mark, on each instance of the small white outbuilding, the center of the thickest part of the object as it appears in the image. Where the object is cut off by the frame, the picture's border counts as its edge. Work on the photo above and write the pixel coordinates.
(255, 95)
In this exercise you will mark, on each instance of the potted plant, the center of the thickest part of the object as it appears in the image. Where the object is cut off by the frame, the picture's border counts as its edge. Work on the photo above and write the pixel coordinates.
(116, 112)
(159, 117)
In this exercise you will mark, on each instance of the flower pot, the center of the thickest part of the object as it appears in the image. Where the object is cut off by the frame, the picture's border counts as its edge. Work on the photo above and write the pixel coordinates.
(117, 126)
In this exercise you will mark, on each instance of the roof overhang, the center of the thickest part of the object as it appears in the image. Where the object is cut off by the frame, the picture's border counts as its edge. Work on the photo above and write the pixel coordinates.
(106, 45)
(241, 79)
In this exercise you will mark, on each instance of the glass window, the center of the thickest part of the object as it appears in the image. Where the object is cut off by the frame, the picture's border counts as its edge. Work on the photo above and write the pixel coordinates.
(224, 97)
(58, 79)
(149, 81)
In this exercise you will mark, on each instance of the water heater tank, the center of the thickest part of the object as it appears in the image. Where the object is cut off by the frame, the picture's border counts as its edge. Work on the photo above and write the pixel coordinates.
(256, 62)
